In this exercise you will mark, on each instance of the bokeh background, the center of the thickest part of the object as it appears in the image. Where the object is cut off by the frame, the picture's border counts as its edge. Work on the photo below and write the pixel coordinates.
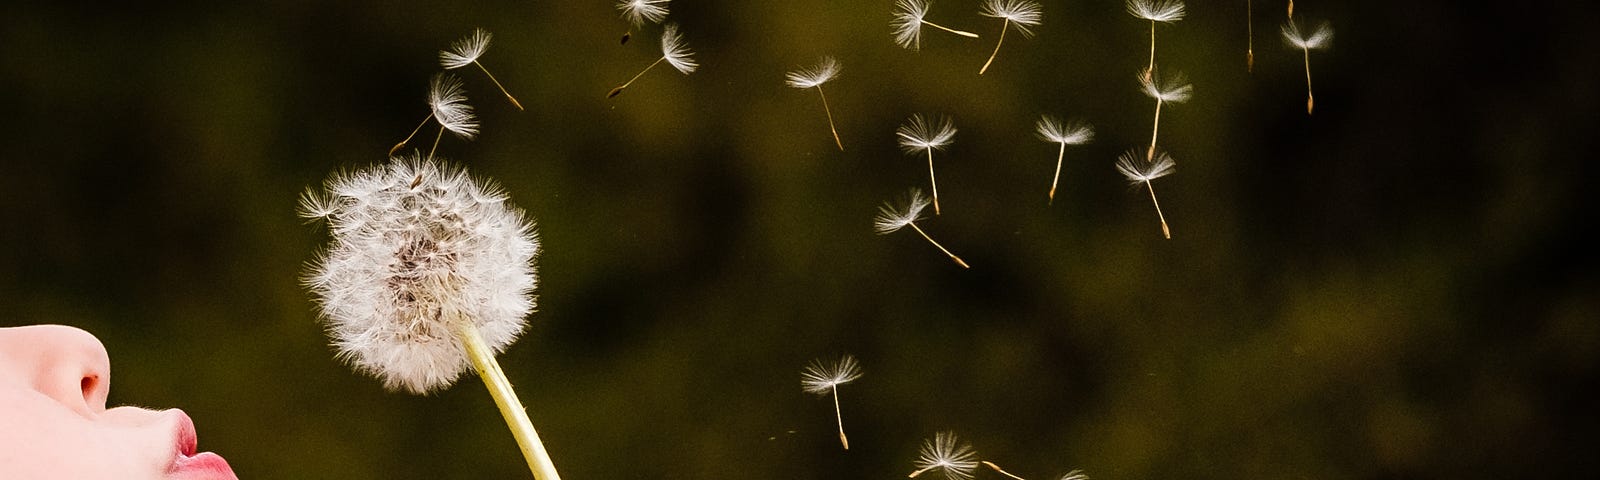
(1396, 287)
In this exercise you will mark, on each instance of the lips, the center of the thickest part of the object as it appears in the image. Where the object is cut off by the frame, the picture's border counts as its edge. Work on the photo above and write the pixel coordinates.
(187, 464)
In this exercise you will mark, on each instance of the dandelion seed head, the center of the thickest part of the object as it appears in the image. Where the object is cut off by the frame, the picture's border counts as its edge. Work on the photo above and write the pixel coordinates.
(820, 378)
(810, 77)
(1165, 11)
(1171, 88)
(895, 216)
(415, 246)
(1319, 37)
(1136, 169)
(1073, 132)
(675, 51)
(920, 133)
(907, 22)
(448, 100)
(466, 50)
(1025, 14)
(948, 455)
(639, 11)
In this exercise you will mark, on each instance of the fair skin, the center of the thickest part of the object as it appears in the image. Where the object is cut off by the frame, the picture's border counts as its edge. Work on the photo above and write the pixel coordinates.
(54, 423)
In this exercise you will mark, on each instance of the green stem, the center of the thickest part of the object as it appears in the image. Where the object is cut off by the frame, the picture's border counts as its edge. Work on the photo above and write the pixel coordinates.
(504, 397)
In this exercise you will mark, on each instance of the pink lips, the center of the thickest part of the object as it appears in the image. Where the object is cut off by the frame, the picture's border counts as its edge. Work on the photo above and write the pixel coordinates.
(186, 463)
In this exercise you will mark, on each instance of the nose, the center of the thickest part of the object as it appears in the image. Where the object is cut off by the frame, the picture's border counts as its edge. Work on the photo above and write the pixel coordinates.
(64, 363)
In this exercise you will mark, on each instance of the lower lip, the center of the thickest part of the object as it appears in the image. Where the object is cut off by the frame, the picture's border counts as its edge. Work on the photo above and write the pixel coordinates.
(204, 465)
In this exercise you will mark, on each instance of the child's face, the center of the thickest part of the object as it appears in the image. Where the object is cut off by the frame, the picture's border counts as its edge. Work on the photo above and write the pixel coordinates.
(54, 423)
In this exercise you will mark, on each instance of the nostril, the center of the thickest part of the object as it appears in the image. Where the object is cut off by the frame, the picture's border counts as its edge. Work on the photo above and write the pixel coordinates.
(87, 386)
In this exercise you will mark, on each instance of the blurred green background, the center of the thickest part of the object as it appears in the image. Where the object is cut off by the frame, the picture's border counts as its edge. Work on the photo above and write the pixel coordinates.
(1392, 288)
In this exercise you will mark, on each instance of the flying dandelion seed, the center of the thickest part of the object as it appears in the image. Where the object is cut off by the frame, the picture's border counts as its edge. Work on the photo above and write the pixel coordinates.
(923, 135)
(1164, 11)
(1143, 171)
(1025, 14)
(1002, 471)
(1174, 89)
(640, 11)
(822, 379)
(814, 77)
(1076, 132)
(466, 52)
(447, 105)
(673, 51)
(1319, 38)
(947, 455)
(428, 273)
(892, 217)
(908, 21)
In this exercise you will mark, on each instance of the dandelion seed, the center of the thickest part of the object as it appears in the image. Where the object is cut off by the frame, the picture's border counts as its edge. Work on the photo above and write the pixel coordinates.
(1291, 9)
(922, 135)
(950, 456)
(1002, 471)
(1075, 475)
(640, 11)
(1076, 132)
(814, 77)
(1319, 38)
(908, 21)
(1174, 89)
(1137, 171)
(1022, 13)
(673, 51)
(447, 105)
(429, 272)
(1164, 11)
(822, 379)
(466, 52)
(893, 217)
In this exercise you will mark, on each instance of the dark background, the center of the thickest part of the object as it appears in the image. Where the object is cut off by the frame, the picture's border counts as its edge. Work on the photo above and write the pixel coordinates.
(1395, 287)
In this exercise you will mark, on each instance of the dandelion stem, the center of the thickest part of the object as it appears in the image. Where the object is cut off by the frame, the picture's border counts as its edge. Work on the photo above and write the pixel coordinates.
(1053, 181)
(513, 100)
(953, 256)
(1003, 27)
(1165, 232)
(436, 142)
(414, 131)
(618, 90)
(919, 472)
(933, 182)
(1150, 155)
(1250, 46)
(957, 32)
(1309, 99)
(515, 414)
(830, 119)
(1152, 67)
(1002, 472)
(837, 416)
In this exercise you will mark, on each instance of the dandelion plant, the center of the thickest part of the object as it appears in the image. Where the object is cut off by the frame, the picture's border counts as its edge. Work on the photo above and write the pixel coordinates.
(1164, 11)
(1022, 13)
(814, 77)
(466, 52)
(640, 11)
(673, 51)
(922, 135)
(908, 21)
(947, 455)
(1076, 132)
(429, 272)
(892, 217)
(1172, 89)
(447, 105)
(1143, 171)
(823, 379)
(1318, 38)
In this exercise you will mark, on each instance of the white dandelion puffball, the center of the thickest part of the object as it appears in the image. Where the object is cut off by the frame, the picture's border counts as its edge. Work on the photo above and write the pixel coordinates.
(416, 246)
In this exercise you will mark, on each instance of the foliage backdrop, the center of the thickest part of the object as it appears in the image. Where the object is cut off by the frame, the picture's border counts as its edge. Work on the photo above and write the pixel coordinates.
(1394, 287)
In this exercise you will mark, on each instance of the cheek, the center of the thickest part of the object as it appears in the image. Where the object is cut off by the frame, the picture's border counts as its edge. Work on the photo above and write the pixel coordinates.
(44, 439)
